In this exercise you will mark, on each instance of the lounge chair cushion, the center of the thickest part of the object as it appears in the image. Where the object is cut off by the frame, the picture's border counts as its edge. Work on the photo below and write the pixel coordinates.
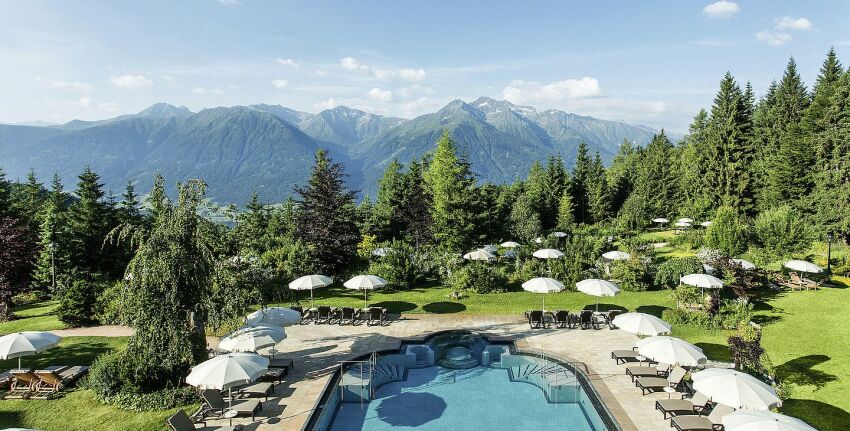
(699, 423)
(262, 389)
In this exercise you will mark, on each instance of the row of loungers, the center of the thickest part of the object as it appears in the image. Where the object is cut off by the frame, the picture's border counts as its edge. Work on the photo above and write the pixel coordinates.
(343, 315)
(695, 413)
(585, 319)
(40, 384)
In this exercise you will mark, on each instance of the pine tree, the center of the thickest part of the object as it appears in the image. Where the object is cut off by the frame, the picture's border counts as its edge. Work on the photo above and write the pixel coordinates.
(388, 210)
(52, 239)
(696, 200)
(156, 200)
(557, 181)
(129, 212)
(417, 203)
(251, 227)
(598, 197)
(28, 200)
(832, 179)
(621, 175)
(450, 182)
(656, 191)
(566, 223)
(579, 185)
(88, 224)
(325, 216)
(5, 195)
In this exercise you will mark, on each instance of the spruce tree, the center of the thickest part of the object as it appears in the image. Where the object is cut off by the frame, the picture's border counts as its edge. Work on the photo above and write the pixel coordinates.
(88, 224)
(251, 227)
(156, 200)
(579, 185)
(525, 222)
(416, 205)
(450, 182)
(696, 196)
(5, 195)
(566, 222)
(832, 191)
(388, 209)
(656, 186)
(52, 239)
(557, 181)
(621, 175)
(598, 197)
(129, 208)
(28, 200)
(325, 216)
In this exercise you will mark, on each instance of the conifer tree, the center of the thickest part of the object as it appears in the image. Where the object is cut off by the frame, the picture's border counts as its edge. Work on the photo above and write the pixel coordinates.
(450, 182)
(566, 223)
(28, 200)
(129, 208)
(621, 175)
(5, 195)
(557, 181)
(598, 197)
(696, 199)
(417, 203)
(388, 209)
(832, 191)
(52, 239)
(525, 222)
(656, 187)
(579, 185)
(88, 224)
(251, 227)
(156, 200)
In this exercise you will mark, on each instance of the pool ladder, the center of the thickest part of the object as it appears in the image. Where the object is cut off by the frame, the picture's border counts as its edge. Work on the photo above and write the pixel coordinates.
(552, 374)
(364, 373)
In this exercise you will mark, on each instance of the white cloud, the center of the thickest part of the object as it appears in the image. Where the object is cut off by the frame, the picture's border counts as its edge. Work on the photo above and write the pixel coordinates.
(280, 83)
(109, 107)
(199, 91)
(327, 104)
(85, 102)
(287, 62)
(383, 74)
(381, 95)
(66, 85)
(791, 23)
(414, 89)
(349, 63)
(218, 91)
(416, 107)
(521, 92)
(131, 81)
(773, 38)
(721, 9)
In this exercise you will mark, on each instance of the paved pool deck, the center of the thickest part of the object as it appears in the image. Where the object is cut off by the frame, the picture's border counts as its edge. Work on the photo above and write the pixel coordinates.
(318, 349)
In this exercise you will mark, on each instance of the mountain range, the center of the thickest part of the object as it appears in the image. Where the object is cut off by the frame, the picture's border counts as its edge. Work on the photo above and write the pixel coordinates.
(270, 148)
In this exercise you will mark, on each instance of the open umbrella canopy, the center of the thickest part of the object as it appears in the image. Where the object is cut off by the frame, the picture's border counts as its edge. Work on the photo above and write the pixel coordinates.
(252, 338)
(745, 264)
(706, 223)
(597, 287)
(548, 253)
(704, 281)
(558, 234)
(616, 255)
(543, 285)
(685, 220)
(273, 316)
(510, 244)
(642, 324)
(27, 343)
(762, 420)
(365, 282)
(661, 220)
(480, 254)
(735, 389)
(682, 224)
(226, 371)
(310, 282)
(803, 266)
(671, 350)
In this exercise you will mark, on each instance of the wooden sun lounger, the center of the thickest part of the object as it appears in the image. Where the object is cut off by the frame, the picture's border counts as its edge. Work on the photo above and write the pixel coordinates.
(694, 406)
(699, 423)
(22, 385)
(6, 379)
(53, 380)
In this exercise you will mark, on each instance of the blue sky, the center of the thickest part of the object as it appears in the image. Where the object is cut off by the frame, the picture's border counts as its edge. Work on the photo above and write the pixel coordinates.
(648, 62)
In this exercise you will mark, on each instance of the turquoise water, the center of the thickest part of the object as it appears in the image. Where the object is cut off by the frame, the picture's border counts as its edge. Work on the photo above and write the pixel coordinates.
(480, 398)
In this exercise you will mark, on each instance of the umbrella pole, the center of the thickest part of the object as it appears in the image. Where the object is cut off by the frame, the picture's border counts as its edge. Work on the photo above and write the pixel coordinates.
(19, 362)
(311, 298)
(365, 296)
(544, 302)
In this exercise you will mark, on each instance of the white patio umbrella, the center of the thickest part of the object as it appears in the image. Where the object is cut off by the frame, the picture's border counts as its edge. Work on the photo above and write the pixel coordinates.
(598, 288)
(706, 223)
(660, 220)
(558, 234)
(671, 350)
(803, 266)
(310, 282)
(745, 264)
(252, 338)
(762, 420)
(642, 324)
(19, 344)
(682, 224)
(365, 283)
(509, 244)
(616, 255)
(543, 285)
(273, 316)
(548, 253)
(480, 254)
(226, 371)
(685, 220)
(735, 389)
(704, 281)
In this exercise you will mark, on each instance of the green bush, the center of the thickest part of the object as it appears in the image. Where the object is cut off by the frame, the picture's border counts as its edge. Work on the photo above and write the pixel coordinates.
(478, 277)
(108, 309)
(77, 301)
(398, 266)
(728, 232)
(633, 274)
(780, 232)
(668, 273)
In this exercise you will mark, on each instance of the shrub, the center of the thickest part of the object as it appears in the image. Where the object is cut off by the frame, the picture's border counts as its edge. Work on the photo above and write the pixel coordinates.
(108, 309)
(397, 267)
(779, 232)
(109, 379)
(77, 301)
(479, 278)
(633, 274)
(668, 273)
(728, 232)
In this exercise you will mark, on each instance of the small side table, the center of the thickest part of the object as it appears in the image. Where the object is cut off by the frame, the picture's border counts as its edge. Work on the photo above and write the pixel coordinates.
(670, 391)
(229, 415)
(640, 359)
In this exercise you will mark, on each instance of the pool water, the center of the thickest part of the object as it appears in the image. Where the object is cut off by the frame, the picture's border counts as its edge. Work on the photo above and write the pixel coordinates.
(479, 398)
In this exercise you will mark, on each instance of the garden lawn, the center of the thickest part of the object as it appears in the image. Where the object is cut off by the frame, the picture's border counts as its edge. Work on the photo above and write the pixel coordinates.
(40, 316)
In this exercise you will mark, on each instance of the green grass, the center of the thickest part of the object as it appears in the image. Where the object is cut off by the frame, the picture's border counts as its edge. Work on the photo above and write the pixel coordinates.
(40, 316)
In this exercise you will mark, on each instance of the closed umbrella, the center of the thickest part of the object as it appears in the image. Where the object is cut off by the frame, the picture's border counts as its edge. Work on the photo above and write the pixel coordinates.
(671, 350)
(226, 371)
(735, 389)
(543, 285)
(616, 255)
(273, 316)
(365, 283)
(481, 255)
(803, 266)
(310, 282)
(510, 244)
(252, 338)
(763, 420)
(745, 264)
(19, 344)
(642, 324)
(660, 220)
(598, 288)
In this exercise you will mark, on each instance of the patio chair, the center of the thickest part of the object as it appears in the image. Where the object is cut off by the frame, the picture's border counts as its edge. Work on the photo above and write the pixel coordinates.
(22, 385)
(259, 390)
(694, 406)
(323, 315)
(52, 380)
(782, 281)
(635, 371)
(561, 318)
(651, 384)
(803, 282)
(536, 319)
(623, 356)
(699, 423)
(346, 315)
(217, 406)
(609, 318)
(586, 320)
(376, 314)
(180, 421)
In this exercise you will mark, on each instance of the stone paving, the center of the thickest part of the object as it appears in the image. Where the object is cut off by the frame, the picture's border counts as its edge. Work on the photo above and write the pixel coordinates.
(318, 349)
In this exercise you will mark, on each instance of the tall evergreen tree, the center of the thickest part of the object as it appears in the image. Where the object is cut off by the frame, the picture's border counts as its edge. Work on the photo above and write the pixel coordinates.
(28, 200)
(598, 194)
(579, 185)
(129, 208)
(557, 180)
(656, 191)
(417, 202)
(450, 182)
(156, 200)
(696, 196)
(621, 175)
(88, 224)
(566, 222)
(251, 227)
(53, 244)
(325, 216)
(832, 178)
(389, 211)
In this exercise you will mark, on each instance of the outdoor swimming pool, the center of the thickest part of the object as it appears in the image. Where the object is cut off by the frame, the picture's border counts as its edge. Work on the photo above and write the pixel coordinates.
(460, 381)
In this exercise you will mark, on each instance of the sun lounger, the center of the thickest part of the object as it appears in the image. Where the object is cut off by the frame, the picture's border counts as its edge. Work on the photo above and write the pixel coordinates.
(6, 379)
(52, 380)
(180, 421)
(802, 281)
(218, 407)
(346, 316)
(376, 315)
(300, 311)
(623, 356)
(22, 385)
(586, 320)
(636, 371)
(673, 380)
(285, 363)
(259, 390)
(324, 314)
(694, 406)
(561, 318)
(536, 320)
(609, 318)
(700, 423)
